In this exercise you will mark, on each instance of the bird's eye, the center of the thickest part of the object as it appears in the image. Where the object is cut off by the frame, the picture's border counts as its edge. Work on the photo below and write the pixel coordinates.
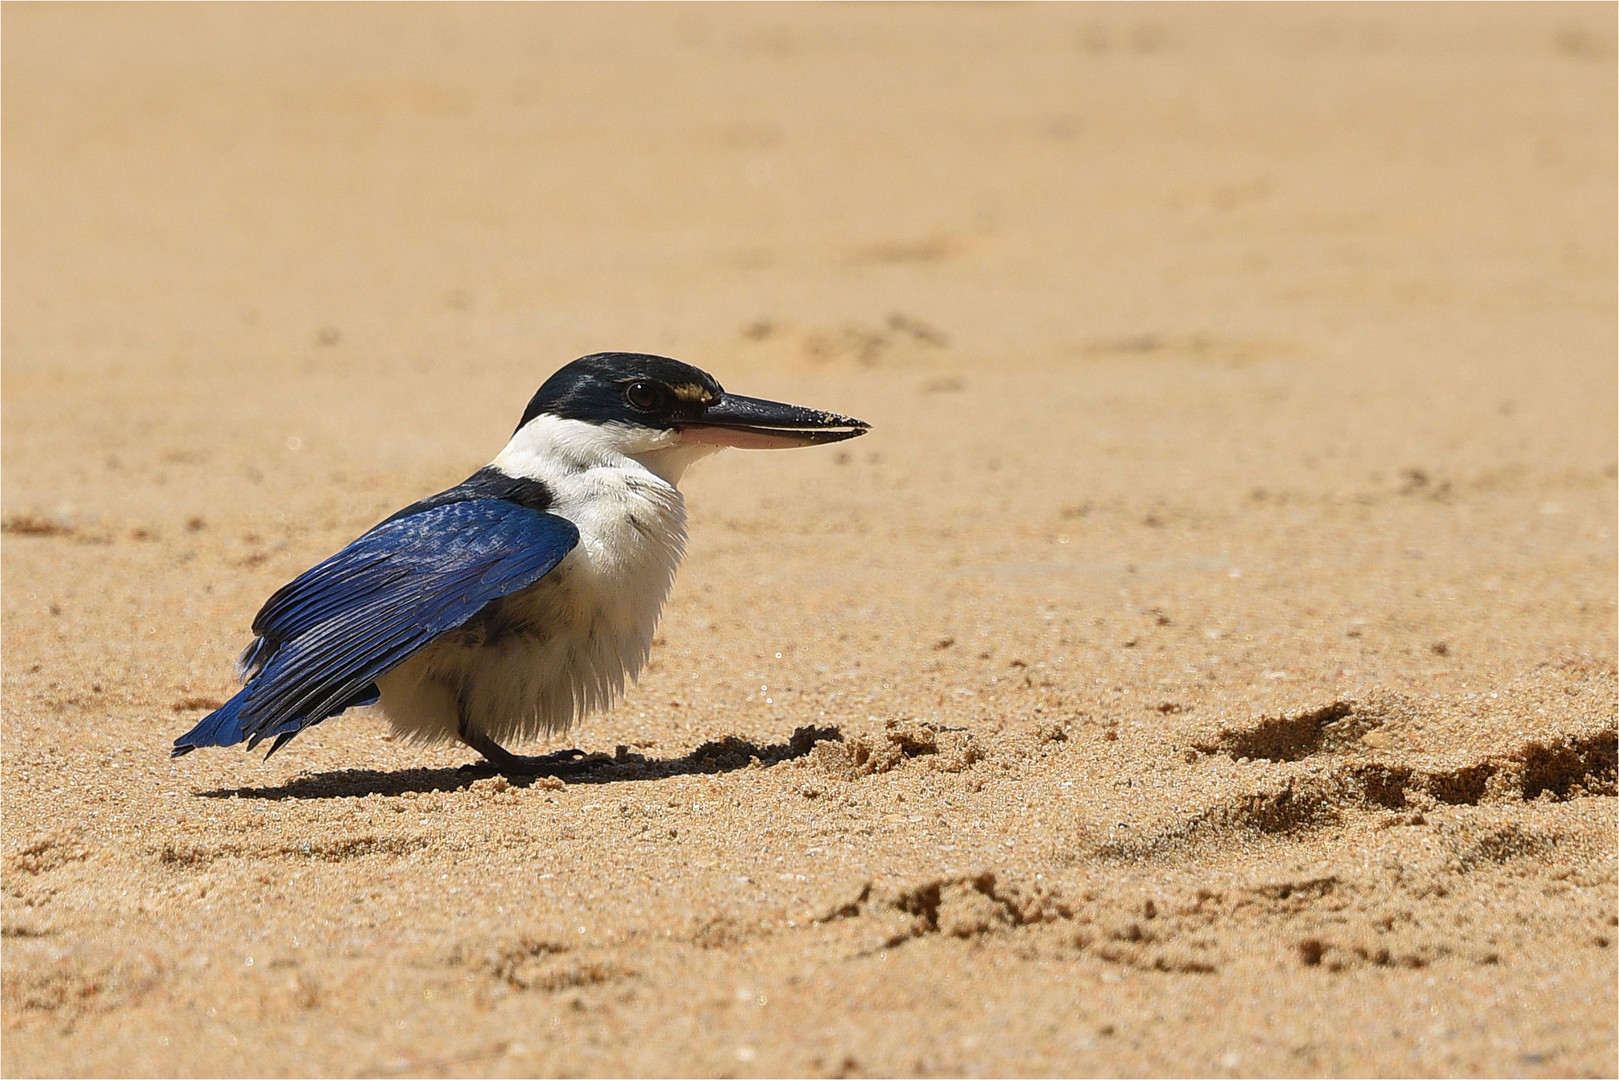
(646, 396)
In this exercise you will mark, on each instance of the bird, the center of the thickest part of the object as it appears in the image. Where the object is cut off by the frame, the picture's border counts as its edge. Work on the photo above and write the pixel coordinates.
(524, 597)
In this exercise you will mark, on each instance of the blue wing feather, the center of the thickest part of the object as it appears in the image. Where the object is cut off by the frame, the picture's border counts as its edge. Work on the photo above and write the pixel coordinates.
(327, 636)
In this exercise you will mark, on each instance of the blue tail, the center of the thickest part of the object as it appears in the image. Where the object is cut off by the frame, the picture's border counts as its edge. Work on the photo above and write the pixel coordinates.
(225, 727)
(222, 727)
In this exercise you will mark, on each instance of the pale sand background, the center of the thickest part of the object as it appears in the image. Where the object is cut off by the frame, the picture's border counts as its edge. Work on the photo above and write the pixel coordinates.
(1237, 533)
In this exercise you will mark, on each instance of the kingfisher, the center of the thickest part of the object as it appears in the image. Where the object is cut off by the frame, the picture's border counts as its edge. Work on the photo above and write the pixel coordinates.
(522, 598)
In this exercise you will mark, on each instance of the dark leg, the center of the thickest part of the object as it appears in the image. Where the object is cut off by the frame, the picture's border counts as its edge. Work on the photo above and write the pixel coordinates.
(561, 763)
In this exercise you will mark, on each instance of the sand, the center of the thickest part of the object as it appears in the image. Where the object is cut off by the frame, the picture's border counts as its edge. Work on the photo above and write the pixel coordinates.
(1205, 666)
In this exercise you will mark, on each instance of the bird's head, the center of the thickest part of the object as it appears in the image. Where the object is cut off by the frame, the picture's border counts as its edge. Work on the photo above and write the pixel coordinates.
(652, 405)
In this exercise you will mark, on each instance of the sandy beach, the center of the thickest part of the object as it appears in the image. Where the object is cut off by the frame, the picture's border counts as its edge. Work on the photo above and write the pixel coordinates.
(1206, 665)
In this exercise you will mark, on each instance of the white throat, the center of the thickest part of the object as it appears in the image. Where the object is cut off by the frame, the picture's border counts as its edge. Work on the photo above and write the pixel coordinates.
(552, 449)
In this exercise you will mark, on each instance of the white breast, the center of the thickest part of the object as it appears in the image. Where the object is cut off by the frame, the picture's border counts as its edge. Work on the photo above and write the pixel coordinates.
(539, 659)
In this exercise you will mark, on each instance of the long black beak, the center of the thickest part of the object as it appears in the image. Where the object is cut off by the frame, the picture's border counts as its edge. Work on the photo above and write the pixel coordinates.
(755, 424)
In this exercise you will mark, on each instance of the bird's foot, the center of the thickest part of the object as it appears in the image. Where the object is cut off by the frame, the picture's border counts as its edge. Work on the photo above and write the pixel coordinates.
(560, 763)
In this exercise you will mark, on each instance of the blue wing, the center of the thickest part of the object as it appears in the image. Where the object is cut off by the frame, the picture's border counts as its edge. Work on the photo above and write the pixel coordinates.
(325, 638)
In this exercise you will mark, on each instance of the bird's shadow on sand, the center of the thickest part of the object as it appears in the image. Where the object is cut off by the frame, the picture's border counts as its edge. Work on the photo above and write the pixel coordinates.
(726, 755)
